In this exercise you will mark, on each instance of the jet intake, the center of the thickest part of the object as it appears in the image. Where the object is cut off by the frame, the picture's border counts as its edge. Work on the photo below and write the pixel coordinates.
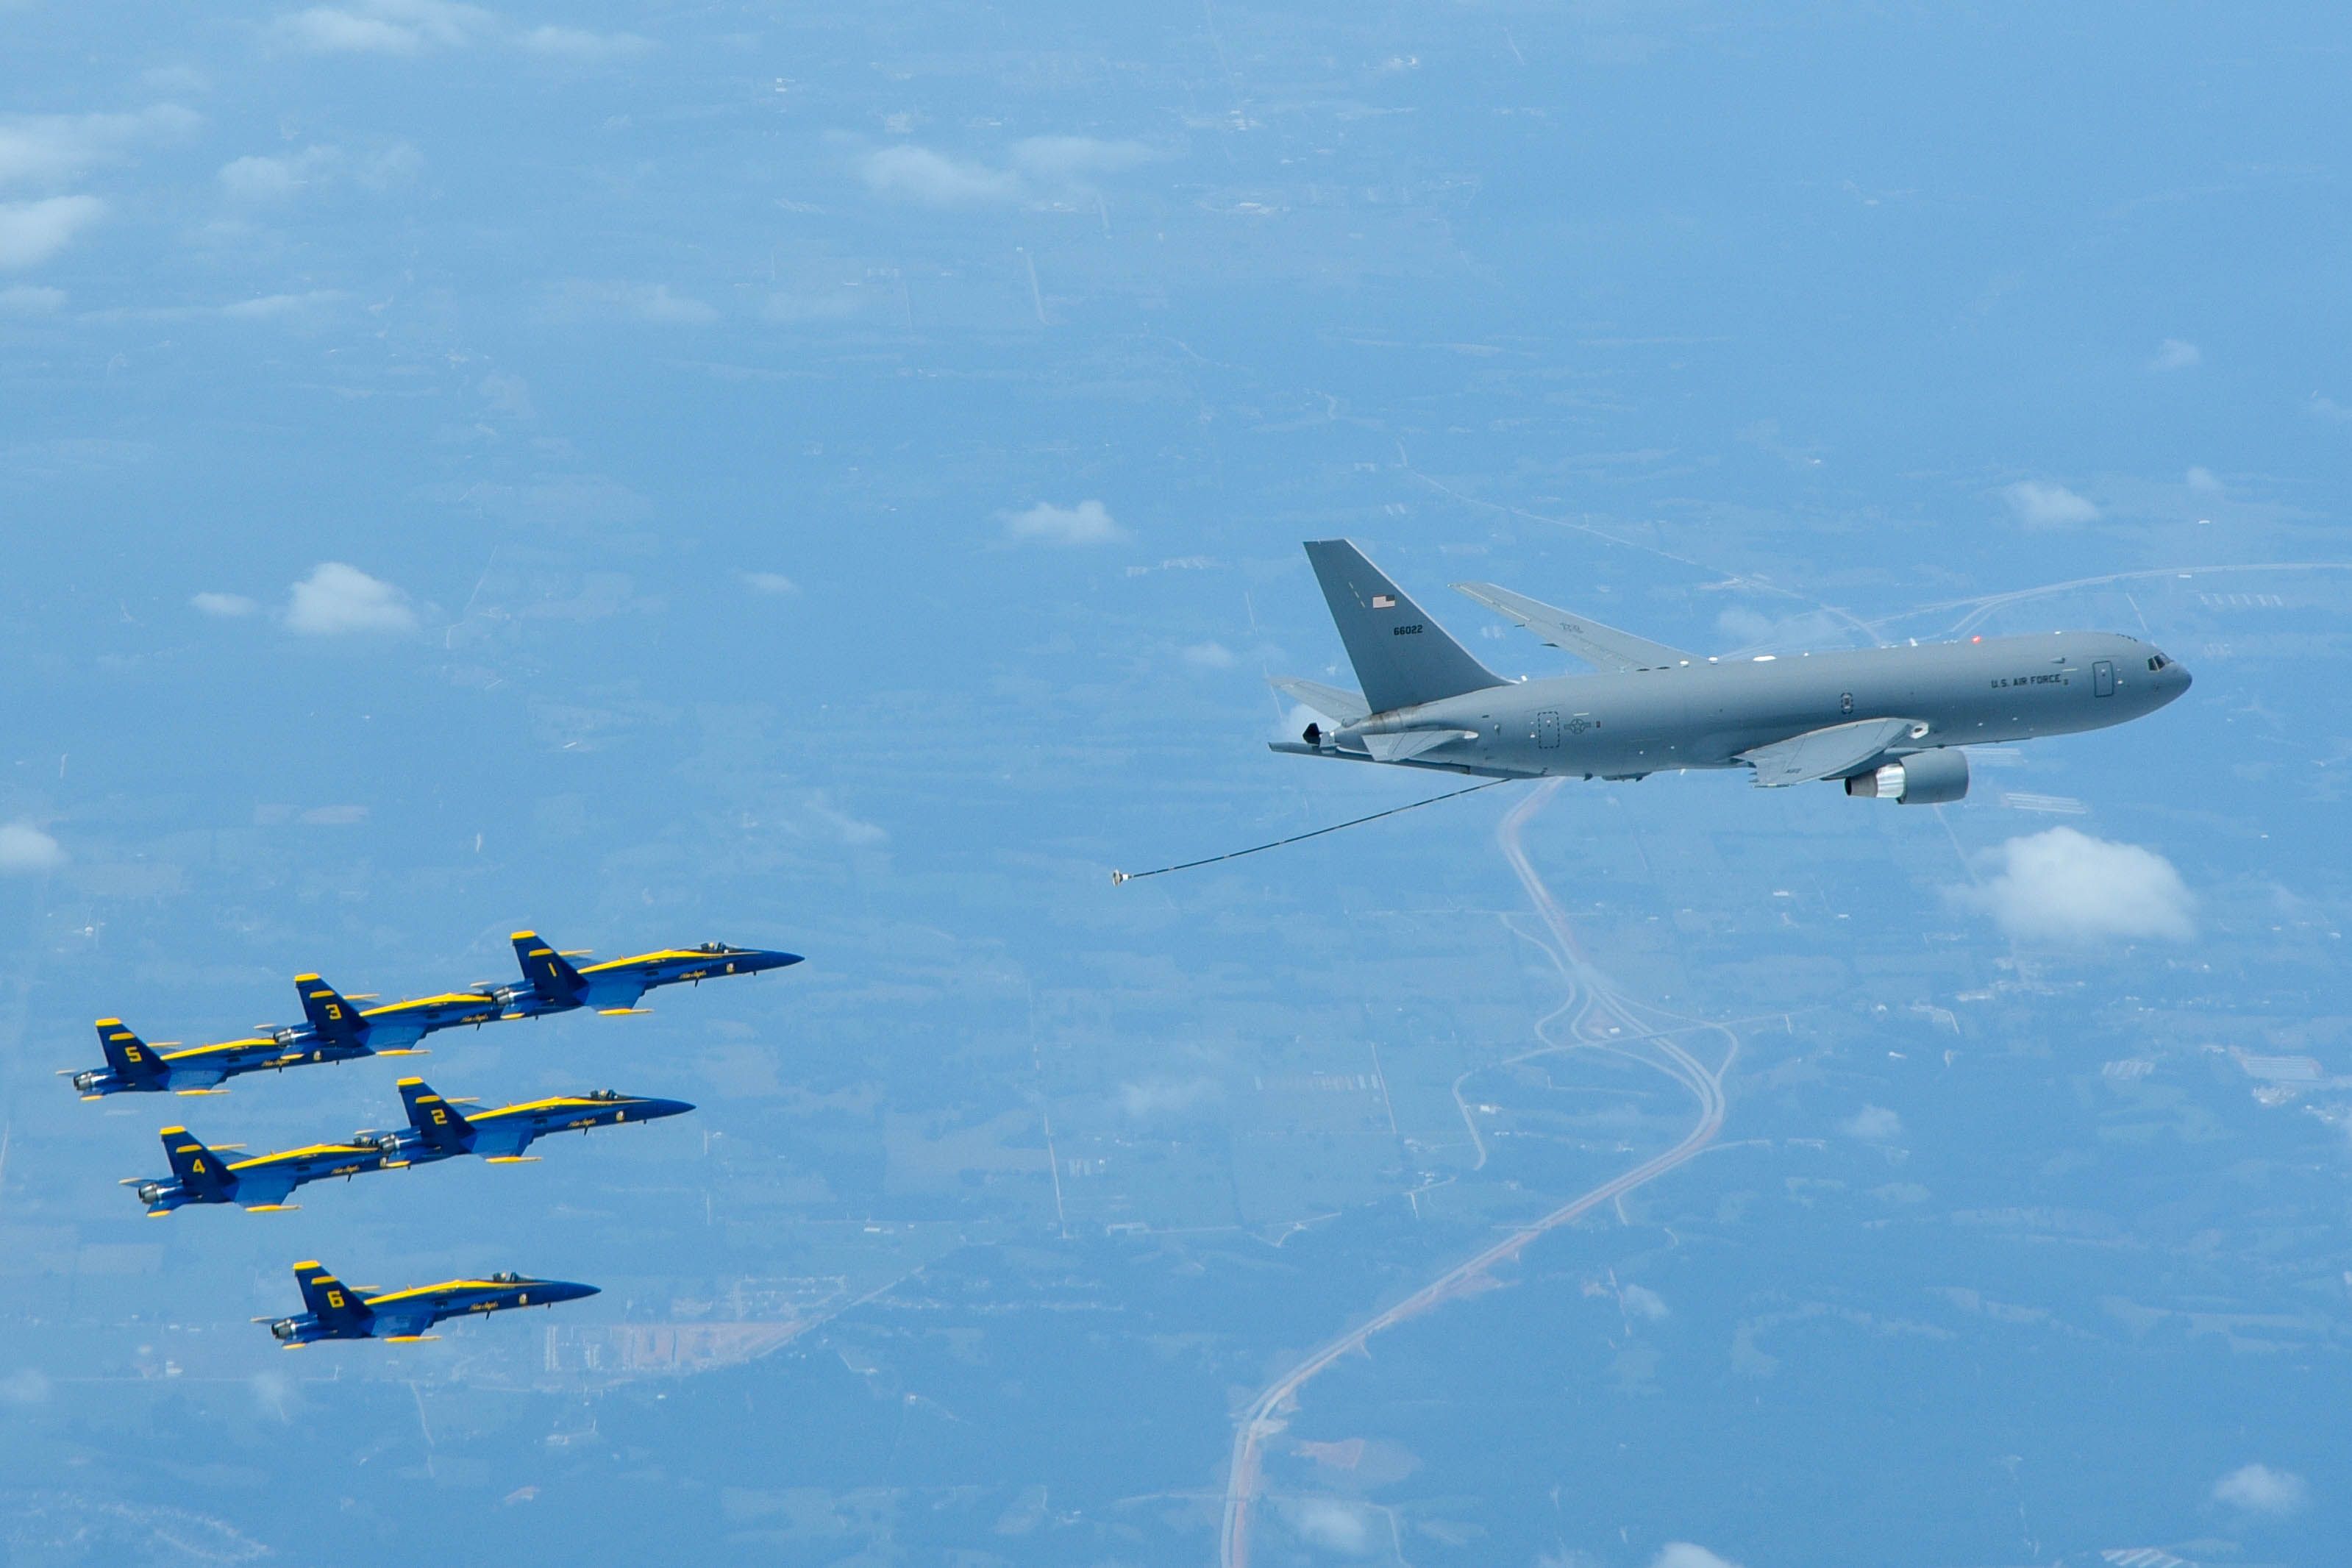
(1922, 778)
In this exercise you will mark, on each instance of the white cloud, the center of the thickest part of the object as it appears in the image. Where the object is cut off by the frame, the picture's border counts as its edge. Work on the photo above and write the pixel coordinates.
(652, 302)
(2174, 354)
(25, 1388)
(1640, 1301)
(30, 299)
(2203, 481)
(1208, 656)
(32, 232)
(274, 305)
(1041, 168)
(920, 175)
(510, 394)
(1088, 522)
(2258, 1489)
(774, 583)
(383, 28)
(1071, 159)
(228, 606)
(854, 832)
(44, 149)
(259, 179)
(1873, 1124)
(2041, 505)
(1744, 625)
(2064, 886)
(335, 599)
(577, 43)
(25, 847)
(1332, 1525)
(1682, 1554)
(1157, 1097)
(798, 309)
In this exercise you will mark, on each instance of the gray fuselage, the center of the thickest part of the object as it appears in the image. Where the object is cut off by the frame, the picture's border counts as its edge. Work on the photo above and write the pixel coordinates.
(1705, 713)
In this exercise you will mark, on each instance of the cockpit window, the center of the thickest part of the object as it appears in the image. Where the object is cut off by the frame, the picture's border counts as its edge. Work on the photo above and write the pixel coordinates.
(2157, 661)
(504, 1277)
(604, 1094)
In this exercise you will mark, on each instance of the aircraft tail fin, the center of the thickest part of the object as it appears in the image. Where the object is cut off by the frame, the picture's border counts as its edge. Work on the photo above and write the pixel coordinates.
(1401, 656)
(132, 1058)
(199, 1169)
(437, 1121)
(549, 973)
(325, 1006)
(332, 1302)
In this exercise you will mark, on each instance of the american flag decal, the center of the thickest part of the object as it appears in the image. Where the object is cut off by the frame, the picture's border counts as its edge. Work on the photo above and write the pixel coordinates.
(1383, 602)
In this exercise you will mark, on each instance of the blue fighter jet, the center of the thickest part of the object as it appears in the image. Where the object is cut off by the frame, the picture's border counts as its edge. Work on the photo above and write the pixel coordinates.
(333, 1030)
(199, 1175)
(135, 1067)
(437, 1131)
(331, 1024)
(551, 984)
(340, 1311)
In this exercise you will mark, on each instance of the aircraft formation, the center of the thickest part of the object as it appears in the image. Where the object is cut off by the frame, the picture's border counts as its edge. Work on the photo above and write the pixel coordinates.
(334, 1029)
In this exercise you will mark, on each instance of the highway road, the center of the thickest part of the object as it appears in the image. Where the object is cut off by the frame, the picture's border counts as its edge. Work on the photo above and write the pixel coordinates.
(1637, 1036)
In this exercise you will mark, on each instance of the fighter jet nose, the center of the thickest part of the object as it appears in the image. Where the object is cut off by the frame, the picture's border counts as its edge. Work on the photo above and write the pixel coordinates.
(666, 1108)
(781, 960)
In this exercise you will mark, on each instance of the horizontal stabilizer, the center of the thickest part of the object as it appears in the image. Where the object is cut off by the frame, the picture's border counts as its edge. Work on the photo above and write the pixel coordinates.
(1605, 646)
(1408, 745)
(1826, 754)
(1345, 707)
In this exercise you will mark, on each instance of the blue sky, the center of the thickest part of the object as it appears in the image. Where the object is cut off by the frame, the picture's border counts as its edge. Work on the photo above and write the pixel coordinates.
(833, 480)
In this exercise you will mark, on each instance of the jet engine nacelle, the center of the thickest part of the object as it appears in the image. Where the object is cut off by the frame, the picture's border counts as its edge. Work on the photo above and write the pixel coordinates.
(151, 1193)
(1922, 778)
(285, 1327)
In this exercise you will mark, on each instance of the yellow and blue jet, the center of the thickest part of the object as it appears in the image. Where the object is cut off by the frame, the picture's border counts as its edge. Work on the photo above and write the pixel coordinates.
(199, 1175)
(135, 1067)
(437, 1131)
(332, 1030)
(340, 1311)
(329, 1022)
(551, 984)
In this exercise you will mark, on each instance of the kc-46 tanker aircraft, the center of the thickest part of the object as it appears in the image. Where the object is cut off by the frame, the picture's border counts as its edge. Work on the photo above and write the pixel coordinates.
(1885, 721)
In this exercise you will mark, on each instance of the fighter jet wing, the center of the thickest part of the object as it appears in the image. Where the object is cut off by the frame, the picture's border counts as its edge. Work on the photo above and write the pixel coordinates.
(1588, 640)
(1823, 754)
(1329, 701)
